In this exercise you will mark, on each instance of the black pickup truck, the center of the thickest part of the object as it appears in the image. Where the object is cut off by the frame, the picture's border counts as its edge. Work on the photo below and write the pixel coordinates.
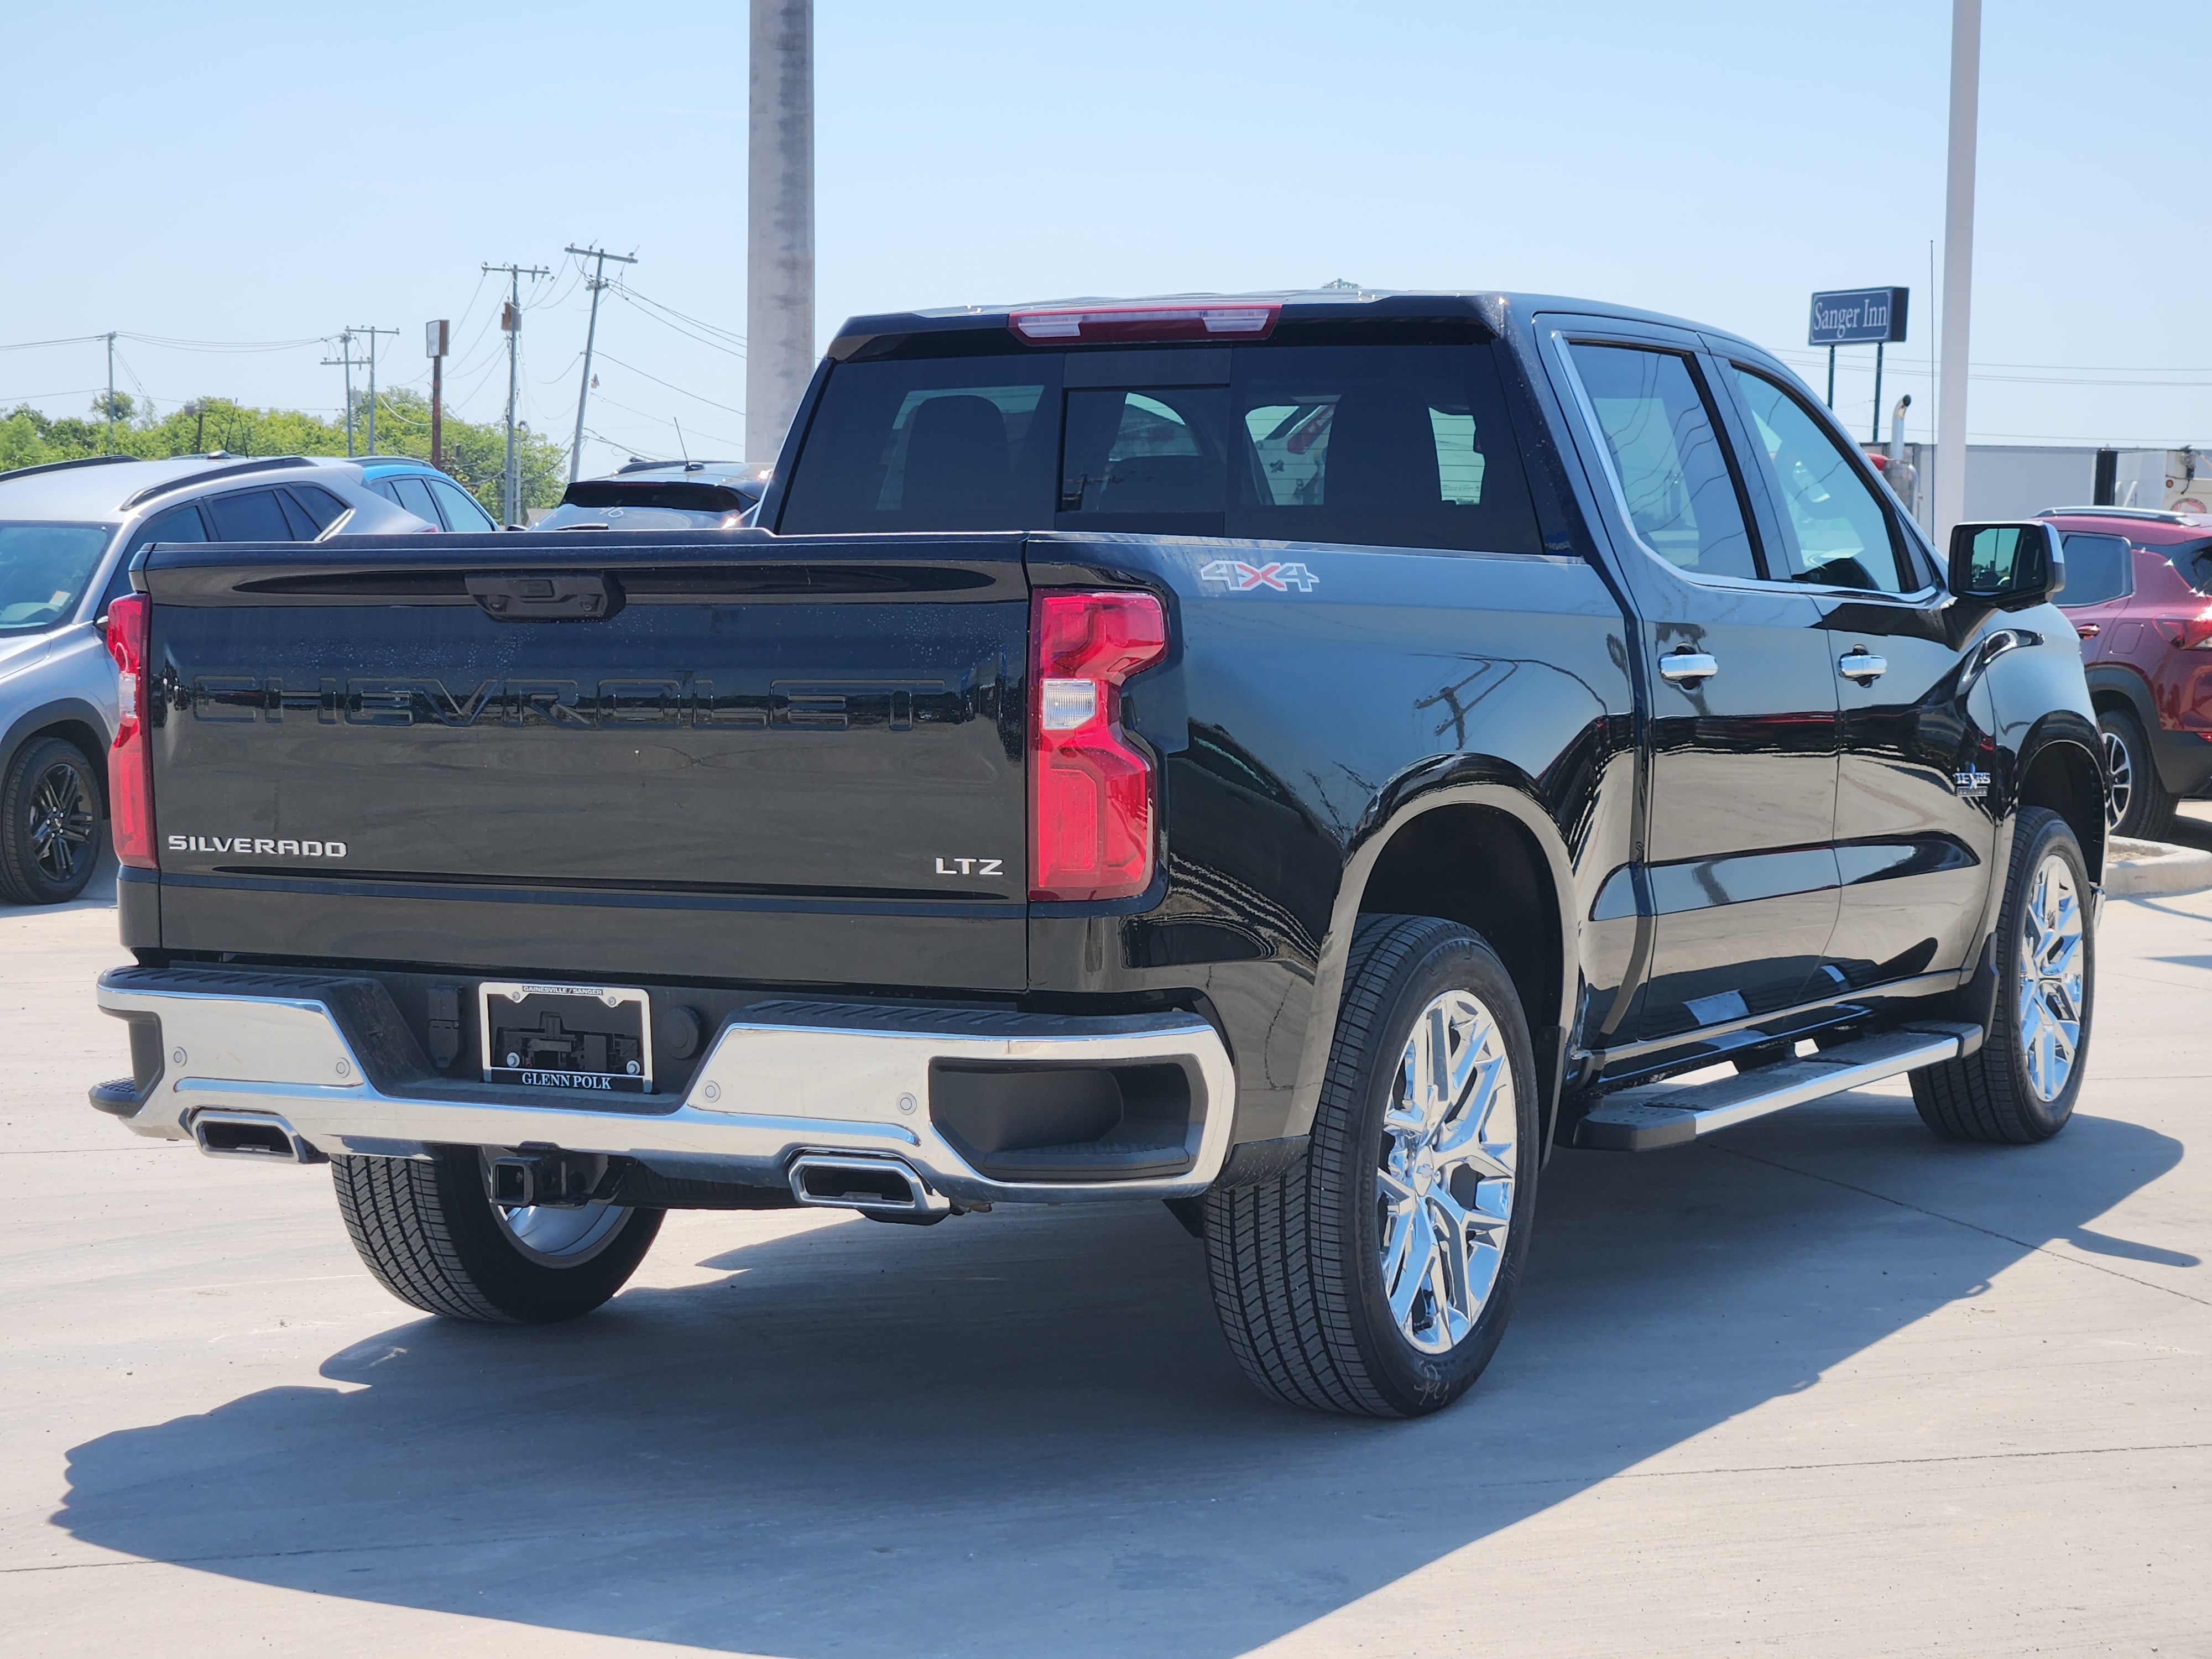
(1300, 757)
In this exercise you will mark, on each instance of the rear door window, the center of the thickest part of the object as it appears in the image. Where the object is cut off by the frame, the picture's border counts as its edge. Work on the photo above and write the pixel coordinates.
(2098, 569)
(414, 496)
(322, 508)
(462, 512)
(250, 515)
(1682, 500)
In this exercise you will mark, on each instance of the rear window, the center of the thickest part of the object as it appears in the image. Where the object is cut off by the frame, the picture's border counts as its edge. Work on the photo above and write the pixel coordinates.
(1398, 444)
(682, 497)
(2192, 559)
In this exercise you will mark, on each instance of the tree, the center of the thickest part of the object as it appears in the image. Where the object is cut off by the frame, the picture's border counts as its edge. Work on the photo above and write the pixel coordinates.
(475, 451)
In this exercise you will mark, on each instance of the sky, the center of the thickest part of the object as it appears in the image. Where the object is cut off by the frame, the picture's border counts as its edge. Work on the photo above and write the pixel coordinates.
(265, 175)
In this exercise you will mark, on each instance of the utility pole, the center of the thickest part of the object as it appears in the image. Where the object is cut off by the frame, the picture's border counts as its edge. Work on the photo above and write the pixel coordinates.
(591, 333)
(1958, 268)
(510, 321)
(373, 333)
(111, 392)
(345, 357)
(779, 222)
(437, 337)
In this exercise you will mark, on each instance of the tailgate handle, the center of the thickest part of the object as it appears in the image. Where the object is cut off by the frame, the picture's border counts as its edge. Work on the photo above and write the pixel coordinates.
(561, 596)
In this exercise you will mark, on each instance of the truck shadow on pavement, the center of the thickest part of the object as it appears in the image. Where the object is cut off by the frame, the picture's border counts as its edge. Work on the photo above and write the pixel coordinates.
(1016, 1434)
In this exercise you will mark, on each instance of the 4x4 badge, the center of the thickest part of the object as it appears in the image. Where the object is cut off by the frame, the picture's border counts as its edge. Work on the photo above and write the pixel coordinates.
(1243, 578)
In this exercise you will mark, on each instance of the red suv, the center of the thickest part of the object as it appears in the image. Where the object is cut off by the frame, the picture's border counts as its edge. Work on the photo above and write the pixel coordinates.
(2139, 592)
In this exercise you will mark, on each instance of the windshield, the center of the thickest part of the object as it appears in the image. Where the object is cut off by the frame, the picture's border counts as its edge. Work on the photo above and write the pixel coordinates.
(44, 570)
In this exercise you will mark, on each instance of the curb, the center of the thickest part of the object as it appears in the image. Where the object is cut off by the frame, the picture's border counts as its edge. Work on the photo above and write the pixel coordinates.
(2154, 869)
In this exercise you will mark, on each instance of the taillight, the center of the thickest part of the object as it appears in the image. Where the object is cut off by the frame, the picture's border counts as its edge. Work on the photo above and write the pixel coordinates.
(1092, 796)
(2189, 632)
(1218, 319)
(131, 764)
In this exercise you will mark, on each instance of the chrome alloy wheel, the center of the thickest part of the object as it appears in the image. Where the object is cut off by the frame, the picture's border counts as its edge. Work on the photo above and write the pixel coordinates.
(2123, 781)
(62, 821)
(558, 1234)
(1443, 1189)
(2050, 978)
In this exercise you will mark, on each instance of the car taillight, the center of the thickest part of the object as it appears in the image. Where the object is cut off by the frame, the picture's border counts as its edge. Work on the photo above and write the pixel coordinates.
(1221, 319)
(2189, 632)
(131, 764)
(1091, 793)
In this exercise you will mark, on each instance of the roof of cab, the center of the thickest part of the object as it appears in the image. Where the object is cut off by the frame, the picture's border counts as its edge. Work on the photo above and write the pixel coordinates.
(1341, 302)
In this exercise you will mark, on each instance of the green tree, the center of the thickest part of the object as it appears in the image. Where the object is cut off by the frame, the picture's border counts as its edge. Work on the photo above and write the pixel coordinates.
(475, 451)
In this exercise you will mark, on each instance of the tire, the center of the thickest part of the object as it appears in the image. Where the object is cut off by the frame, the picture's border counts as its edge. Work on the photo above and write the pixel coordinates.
(2139, 805)
(1299, 1263)
(435, 1241)
(2020, 1086)
(49, 823)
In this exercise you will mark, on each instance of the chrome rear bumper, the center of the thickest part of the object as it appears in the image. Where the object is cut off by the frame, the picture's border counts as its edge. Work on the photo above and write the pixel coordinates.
(329, 1058)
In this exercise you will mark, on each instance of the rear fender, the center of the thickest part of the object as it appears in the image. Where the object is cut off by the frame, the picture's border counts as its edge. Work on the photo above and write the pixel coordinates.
(1462, 780)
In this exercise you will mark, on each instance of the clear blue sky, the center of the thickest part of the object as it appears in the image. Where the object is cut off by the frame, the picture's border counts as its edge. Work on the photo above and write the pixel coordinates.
(261, 173)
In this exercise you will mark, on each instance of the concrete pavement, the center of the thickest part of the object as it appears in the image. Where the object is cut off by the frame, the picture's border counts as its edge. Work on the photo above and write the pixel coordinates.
(1821, 1384)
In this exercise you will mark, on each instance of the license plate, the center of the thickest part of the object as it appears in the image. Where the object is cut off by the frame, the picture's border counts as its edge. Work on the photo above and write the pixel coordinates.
(596, 1038)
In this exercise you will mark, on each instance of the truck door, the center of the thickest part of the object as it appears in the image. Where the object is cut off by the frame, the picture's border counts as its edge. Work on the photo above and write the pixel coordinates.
(1914, 835)
(1738, 871)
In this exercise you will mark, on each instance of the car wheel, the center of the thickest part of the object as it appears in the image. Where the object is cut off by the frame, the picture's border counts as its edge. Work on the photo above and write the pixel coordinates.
(49, 823)
(2021, 1085)
(2138, 806)
(430, 1233)
(1376, 1277)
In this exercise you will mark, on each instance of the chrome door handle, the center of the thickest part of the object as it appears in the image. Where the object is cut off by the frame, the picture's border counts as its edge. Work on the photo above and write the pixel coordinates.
(1862, 665)
(1685, 666)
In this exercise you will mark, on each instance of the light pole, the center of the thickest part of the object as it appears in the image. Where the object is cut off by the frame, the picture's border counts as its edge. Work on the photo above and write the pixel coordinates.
(1957, 268)
(599, 280)
(779, 222)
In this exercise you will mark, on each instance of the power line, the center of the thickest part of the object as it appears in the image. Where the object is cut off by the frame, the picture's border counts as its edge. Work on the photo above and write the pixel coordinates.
(671, 385)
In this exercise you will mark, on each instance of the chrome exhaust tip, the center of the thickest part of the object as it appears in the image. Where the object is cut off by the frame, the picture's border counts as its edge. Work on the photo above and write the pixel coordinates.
(252, 1134)
(881, 1187)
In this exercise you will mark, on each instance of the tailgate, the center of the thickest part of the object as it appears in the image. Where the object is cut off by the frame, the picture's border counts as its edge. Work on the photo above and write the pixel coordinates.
(825, 726)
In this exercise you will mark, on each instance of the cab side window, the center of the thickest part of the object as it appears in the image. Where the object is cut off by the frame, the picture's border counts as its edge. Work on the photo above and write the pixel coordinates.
(1681, 497)
(1835, 532)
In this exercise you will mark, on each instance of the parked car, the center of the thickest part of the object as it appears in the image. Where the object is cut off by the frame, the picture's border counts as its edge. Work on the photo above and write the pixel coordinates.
(2139, 594)
(424, 491)
(662, 496)
(67, 531)
(1299, 757)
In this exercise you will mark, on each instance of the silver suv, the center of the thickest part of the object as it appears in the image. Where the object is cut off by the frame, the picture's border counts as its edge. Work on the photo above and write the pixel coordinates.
(67, 534)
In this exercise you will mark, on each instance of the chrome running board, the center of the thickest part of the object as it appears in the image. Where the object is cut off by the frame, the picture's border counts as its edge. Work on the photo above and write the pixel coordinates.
(1674, 1114)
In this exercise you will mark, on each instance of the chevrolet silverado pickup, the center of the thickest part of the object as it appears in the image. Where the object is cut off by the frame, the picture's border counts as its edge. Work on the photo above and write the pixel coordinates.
(1299, 757)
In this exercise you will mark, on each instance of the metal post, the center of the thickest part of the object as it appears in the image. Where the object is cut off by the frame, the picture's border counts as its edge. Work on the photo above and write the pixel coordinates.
(1831, 377)
(1958, 268)
(1876, 438)
(591, 335)
(110, 393)
(438, 413)
(779, 222)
